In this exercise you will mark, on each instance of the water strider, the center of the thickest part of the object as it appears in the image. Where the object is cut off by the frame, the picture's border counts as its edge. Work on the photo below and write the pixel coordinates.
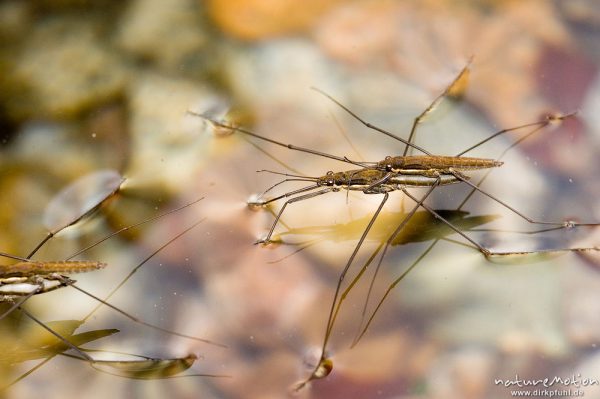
(398, 173)
(29, 277)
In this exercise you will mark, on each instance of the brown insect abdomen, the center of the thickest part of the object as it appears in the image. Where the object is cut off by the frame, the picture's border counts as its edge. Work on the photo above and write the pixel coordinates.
(441, 162)
(41, 268)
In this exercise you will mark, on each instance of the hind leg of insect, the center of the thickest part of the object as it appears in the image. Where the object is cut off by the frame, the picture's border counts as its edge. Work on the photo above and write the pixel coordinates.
(554, 225)
(364, 326)
(103, 302)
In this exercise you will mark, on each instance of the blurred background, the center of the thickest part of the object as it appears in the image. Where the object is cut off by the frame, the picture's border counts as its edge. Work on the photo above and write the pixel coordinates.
(88, 86)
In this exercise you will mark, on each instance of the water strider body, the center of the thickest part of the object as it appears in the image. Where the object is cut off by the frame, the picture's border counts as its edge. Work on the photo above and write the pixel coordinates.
(374, 181)
(398, 173)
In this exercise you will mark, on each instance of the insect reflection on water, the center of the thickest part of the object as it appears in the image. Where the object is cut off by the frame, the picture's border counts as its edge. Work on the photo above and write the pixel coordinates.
(25, 337)
(396, 173)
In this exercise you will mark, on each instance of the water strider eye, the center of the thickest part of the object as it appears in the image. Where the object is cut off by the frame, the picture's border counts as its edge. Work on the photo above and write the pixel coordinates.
(388, 164)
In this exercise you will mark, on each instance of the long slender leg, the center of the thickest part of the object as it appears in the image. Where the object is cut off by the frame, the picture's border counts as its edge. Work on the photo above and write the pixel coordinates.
(102, 302)
(316, 372)
(271, 156)
(57, 335)
(539, 125)
(267, 239)
(487, 252)
(17, 304)
(393, 285)
(126, 228)
(258, 136)
(502, 154)
(355, 281)
(567, 224)
(28, 373)
(392, 237)
(408, 143)
(140, 321)
(463, 74)
(48, 237)
(290, 193)
(371, 126)
(260, 201)
(389, 241)
(121, 230)
(345, 136)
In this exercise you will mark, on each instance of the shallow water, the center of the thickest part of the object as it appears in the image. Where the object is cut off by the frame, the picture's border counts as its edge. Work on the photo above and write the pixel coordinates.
(115, 95)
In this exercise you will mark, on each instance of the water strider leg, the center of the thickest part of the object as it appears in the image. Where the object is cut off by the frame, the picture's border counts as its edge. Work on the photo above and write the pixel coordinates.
(126, 228)
(539, 126)
(487, 252)
(267, 239)
(371, 126)
(463, 74)
(393, 236)
(263, 138)
(363, 330)
(17, 304)
(323, 358)
(104, 302)
(567, 224)
(84, 355)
